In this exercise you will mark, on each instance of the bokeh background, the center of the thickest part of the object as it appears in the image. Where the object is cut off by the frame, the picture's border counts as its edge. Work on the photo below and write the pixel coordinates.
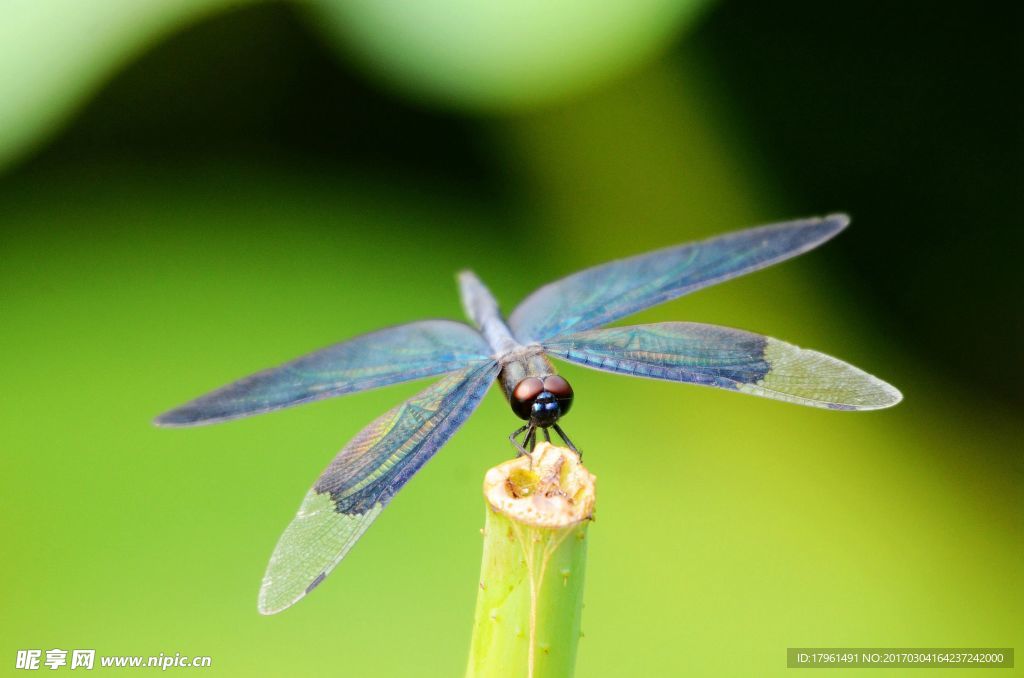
(192, 190)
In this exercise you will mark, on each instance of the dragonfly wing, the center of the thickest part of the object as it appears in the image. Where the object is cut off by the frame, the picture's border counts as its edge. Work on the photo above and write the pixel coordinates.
(388, 356)
(730, 359)
(597, 296)
(362, 479)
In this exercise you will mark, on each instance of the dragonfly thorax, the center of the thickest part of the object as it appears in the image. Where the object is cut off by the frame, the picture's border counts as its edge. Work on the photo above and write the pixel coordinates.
(541, 401)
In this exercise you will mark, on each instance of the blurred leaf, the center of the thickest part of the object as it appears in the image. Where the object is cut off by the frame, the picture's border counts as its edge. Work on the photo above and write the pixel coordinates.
(504, 53)
(54, 53)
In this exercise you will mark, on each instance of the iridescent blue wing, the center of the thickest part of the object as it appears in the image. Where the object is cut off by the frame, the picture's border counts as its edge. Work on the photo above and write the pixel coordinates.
(730, 359)
(388, 356)
(362, 479)
(597, 296)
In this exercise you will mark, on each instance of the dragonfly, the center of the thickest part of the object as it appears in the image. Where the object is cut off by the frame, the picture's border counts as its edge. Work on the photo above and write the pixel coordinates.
(564, 319)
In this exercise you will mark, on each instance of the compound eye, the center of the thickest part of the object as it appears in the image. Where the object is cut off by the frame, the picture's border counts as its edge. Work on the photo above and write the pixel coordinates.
(524, 394)
(558, 386)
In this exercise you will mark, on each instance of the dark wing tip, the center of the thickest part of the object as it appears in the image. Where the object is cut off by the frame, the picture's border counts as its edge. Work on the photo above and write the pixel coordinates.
(167, 420)
(825, 226)
(835, 222)
(180, 417)
(812, 232)
(829, 225)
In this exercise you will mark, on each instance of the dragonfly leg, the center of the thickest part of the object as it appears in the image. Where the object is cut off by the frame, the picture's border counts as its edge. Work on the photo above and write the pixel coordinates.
(561, 433)
(547, 435)
(531, 439)
(521, 449)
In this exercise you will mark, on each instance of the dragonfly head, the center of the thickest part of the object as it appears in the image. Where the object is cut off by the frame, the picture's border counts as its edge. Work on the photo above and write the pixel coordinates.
(542, 401)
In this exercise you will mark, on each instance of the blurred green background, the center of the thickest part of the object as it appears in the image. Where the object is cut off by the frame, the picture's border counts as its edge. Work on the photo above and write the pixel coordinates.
(198, 189)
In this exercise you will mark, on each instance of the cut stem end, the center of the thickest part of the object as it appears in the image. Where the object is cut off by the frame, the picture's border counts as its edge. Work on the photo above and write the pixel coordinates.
(530, 598)
(548, 488)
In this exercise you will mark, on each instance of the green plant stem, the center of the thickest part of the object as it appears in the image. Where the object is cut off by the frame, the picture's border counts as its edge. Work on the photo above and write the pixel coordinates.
(530, 600)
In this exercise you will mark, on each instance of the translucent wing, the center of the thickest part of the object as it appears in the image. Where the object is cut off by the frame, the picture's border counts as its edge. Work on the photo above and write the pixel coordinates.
(597, 296)
(388, 356)
(362, 479)
(727, 358)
